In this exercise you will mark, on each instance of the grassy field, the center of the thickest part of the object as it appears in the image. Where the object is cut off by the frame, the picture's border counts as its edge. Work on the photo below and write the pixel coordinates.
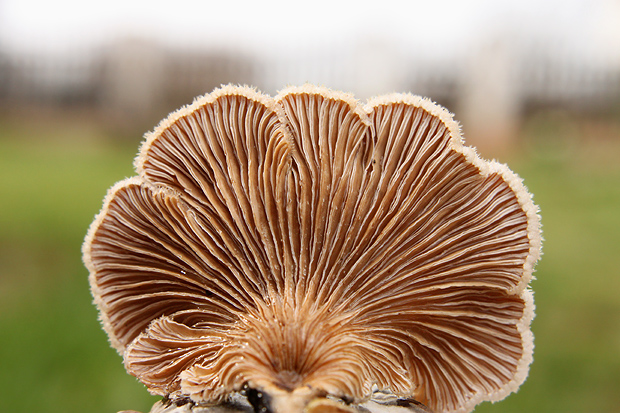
(54, 357)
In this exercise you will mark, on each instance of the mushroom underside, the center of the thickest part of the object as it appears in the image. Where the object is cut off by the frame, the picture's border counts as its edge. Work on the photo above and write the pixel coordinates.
(307, 246)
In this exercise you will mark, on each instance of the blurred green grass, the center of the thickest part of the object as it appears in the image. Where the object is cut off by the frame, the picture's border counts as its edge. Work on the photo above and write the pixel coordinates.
(54, 357)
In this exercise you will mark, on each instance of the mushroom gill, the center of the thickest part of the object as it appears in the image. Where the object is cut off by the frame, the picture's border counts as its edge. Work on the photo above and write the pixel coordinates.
(308, 246)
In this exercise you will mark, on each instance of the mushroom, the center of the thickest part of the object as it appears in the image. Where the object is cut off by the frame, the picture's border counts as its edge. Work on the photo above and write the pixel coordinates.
(305, 253)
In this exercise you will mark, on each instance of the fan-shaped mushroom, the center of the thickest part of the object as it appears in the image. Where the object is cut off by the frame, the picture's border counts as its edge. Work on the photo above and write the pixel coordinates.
(311, 251)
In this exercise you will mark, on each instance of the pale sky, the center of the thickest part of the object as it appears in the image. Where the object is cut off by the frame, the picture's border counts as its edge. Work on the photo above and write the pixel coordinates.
(266, 26)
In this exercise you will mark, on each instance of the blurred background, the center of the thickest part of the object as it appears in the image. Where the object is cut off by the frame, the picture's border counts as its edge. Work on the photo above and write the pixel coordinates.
(534, 84)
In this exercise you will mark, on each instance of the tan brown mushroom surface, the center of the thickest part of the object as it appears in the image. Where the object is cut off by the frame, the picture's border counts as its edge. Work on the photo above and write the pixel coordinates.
(308, 246)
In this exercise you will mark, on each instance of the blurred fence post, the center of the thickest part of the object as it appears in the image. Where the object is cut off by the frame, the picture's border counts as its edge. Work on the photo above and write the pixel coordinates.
(490, 102)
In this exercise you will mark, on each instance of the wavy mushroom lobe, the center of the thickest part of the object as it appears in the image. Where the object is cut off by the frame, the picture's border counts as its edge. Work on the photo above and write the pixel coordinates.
(309, 246)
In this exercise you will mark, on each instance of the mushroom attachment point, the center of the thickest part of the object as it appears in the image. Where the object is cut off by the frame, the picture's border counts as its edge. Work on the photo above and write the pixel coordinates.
(308, 253)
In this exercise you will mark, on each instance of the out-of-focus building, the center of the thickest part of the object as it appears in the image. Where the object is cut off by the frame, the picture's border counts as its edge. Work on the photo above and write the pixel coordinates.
(128, 84)
(134, 82)
(137, 79)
